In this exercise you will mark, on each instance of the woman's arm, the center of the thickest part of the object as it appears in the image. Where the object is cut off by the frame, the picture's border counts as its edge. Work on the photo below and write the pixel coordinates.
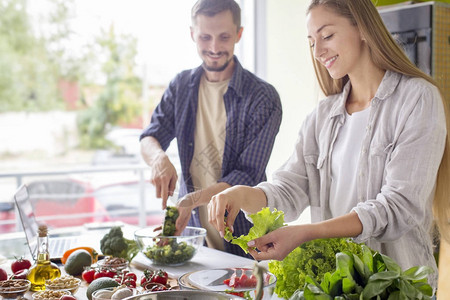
(279, 243)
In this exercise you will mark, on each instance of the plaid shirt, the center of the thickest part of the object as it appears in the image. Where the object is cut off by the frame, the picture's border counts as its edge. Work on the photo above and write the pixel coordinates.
(254, 113)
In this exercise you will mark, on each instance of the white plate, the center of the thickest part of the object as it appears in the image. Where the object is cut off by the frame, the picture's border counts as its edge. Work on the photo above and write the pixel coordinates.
(212, 279)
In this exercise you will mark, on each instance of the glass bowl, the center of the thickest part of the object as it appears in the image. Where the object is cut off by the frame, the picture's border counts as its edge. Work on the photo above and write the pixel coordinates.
(50, 295)
(14, 288)
(114, 263)
(170, 250)
(63, 283)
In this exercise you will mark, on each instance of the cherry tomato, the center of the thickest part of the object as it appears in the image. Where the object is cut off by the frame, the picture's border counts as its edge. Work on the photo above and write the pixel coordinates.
(130, 275)
(129, 283)
(88, 275)
(100, 273)
(148, 274)
(20, 264)
(240, 294)
(160, 277)
(3, 275)
(110, 273)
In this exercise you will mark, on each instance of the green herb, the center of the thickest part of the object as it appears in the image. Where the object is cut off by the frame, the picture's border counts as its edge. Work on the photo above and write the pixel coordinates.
(313, 259)
(264, 222)
(364, 276)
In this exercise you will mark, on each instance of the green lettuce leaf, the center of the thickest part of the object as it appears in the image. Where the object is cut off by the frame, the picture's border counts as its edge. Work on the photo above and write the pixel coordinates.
(263, 221)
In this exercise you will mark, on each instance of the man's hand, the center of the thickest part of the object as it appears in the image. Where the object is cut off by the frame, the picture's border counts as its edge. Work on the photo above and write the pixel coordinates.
(164, 177)
(185, 207)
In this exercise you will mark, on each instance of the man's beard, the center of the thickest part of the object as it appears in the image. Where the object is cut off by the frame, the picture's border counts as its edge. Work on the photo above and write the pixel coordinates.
(216, 69)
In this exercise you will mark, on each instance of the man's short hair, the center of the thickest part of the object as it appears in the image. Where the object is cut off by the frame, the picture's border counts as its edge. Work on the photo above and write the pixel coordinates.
(212, 7)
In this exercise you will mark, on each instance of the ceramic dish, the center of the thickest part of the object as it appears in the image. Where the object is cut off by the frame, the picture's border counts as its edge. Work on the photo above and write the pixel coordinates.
(213, 280)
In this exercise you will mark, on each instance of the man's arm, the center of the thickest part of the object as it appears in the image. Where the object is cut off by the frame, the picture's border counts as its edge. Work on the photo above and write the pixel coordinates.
(164, 175)
(196, 199)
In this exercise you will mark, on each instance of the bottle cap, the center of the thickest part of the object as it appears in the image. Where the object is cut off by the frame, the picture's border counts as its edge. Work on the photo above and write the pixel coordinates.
(42, 230)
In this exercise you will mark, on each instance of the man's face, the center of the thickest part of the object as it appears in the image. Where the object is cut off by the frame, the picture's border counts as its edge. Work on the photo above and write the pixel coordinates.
(215, 38)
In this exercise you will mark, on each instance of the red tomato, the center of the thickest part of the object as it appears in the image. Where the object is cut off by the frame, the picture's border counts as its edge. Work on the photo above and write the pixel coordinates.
(148, 274)
(88, 275)
(129, 283)
(251, 282)
(160, 277)
(21, 274)
(131, 275)
(20, 264)
(3, 275)
(240, 294)
(100, 273)
(110, 273)
(242, 282)
(233, 280)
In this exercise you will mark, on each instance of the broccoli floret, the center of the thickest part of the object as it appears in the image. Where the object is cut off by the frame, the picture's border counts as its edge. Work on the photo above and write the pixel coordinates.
(113, 243)
(170, 220)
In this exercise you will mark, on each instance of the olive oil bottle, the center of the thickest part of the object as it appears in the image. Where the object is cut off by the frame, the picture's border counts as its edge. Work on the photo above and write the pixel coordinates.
(43, 268)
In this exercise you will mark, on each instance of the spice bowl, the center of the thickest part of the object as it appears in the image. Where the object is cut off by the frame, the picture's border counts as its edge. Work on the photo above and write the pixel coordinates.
(115, 263)
(14, 288)
(170, 250)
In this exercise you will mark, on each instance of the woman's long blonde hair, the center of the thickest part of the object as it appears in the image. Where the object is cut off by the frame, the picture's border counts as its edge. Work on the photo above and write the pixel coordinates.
(388, 55)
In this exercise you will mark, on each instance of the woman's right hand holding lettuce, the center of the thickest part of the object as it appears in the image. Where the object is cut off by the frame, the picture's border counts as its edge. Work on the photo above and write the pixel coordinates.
(232, 200)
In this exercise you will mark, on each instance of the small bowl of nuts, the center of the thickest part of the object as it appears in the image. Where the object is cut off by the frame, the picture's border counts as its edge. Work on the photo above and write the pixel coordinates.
(63, 283)
(50, 295)
(14, 288)
(115, 263)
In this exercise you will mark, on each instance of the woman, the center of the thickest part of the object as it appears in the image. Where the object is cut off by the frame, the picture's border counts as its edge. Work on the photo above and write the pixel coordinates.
(367, 158)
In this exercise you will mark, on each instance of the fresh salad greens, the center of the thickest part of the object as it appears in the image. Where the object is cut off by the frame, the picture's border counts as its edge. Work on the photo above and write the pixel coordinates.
(312, 259)
(264, 222)
(166, 249)
(368, 276)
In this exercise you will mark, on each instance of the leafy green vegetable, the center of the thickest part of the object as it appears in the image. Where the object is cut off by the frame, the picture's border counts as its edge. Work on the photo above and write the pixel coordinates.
(115, 244)
(169, 251)
(386, 282)
(169, 221)
(264, 222)
(314, 259)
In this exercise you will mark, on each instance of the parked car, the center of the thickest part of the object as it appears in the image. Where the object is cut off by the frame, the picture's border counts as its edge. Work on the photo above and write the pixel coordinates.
(72, 202)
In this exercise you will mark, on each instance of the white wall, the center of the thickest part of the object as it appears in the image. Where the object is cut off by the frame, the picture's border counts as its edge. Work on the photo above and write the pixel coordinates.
(290, 70)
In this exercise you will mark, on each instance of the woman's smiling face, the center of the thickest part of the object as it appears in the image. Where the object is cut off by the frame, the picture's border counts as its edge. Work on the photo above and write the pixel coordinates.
(336, 43)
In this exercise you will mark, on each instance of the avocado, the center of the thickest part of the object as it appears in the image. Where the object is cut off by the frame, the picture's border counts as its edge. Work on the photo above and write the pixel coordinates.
(76, 262)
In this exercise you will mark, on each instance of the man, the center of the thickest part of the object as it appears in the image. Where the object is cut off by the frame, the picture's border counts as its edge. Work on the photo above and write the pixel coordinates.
(224, 118)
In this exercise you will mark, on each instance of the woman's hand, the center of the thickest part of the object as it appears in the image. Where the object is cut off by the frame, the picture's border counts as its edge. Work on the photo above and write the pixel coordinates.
(278, 243)
(232, 200)
(229, 201)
